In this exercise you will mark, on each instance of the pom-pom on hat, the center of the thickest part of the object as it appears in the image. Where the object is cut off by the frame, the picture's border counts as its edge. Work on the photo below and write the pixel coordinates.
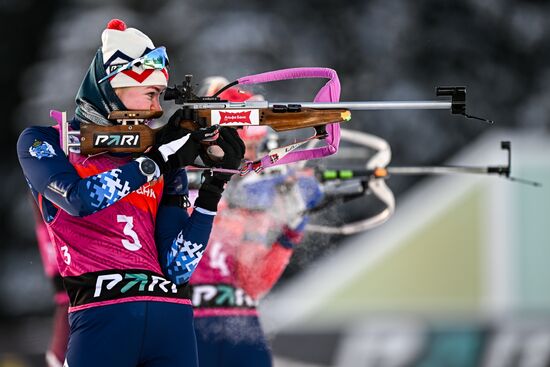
(122, 45)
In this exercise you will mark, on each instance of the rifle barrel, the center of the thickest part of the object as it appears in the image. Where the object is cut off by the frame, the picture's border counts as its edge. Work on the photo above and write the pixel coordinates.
(435, 170)
(380, 105)
(374, 105)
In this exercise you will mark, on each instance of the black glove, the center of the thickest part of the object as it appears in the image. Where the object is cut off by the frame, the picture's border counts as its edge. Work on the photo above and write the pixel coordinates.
(176, 147)
(176, 189)
(233, 148)
(210, 192)
(213, 183)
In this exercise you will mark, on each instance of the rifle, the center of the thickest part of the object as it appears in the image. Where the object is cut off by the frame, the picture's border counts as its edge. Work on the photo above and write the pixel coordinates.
(350, 184)
(132, 136)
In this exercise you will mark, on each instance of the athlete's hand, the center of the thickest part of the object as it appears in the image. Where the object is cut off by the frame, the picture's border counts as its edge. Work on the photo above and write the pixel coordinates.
(233, 149)
(177, 147)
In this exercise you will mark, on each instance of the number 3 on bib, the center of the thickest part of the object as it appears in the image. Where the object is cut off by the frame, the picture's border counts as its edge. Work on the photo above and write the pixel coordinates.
(133, 245)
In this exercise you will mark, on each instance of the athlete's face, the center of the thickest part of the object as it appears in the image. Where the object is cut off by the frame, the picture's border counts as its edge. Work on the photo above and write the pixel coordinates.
(141, 98)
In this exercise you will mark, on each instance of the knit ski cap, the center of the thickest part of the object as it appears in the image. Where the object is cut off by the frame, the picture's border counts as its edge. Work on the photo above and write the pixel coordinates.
(121, 45)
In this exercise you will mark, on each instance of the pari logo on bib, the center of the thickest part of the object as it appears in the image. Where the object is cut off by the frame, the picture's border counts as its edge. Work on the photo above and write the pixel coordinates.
(130, 58)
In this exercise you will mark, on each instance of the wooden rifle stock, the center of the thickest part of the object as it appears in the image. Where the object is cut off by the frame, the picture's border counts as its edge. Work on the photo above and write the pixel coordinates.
(136, 138)
(281, 121)
(306, 117)
(134, 116)
(117, 139)
(131, 136)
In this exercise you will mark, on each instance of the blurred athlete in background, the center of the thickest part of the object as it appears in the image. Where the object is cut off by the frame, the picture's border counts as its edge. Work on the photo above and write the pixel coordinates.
(260, 221)
(55, 355)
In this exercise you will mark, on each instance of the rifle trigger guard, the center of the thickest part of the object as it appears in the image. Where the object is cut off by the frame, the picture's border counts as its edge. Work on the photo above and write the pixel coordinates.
(320, 132)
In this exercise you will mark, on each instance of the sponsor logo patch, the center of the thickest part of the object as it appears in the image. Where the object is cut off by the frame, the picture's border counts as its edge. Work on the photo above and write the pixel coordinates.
(126, 140)
(142, 282)
(235, 117)
(108, 285)
(147, 190)
(221, 295)
(41, 149)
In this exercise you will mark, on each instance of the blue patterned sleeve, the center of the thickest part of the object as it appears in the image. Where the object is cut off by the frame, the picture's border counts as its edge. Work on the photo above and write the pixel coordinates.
(49, 172)
(181, 241)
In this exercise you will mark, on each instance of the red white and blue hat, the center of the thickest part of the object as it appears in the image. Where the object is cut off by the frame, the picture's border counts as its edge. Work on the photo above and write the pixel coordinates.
(120, 46)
